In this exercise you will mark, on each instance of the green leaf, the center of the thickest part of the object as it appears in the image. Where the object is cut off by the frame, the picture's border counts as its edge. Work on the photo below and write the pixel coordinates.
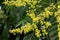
(30, 37)
(17, 38)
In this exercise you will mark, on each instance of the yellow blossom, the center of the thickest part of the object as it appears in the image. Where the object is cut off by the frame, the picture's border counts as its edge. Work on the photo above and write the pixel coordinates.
(58, 18)
(47, 24)
(44, 32)
(47, 13)
(59, 34)
(36, 19)
(58, 6)
(37, 33)
(34, 26)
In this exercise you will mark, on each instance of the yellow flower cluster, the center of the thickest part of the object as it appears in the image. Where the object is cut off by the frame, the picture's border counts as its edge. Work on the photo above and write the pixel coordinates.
(58, 27)
(48, 13)
(57, 15)
(19, 3)
(34, 26)
(32, 15)
(58, 6)
(27, 28)
(36, 19)
(41, 16)
(58, 18)
(42, 22)
(14, 31)
(44, 32)
(37, 33)
(59, 35)
(44, 27)
(59, 30)
(48, 24)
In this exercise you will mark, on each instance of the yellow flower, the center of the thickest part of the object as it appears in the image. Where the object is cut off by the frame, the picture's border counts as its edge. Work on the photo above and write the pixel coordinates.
(47, 14)
(5, 3)
(44, 32)
(48, 24)
(32, 15)
(36, 19)
(42, 22)
(36, 30)
(34, 3)
(10, 31)
(32, 6)
(59, 34)
(43, 27)
(14, 33)
(58, 18)
(27, 11)
(58, 6)
(25, 30)
(37, 33)
(18, 30)
(34, 26)
(55, 14)
(58, 29)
